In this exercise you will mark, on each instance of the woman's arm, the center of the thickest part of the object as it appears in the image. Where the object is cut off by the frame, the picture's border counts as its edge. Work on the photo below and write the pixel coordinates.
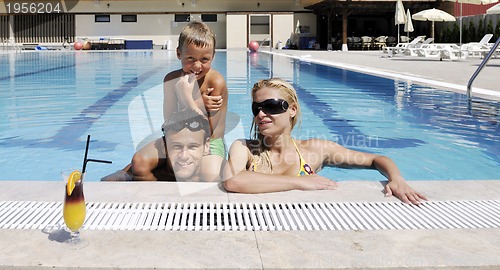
(238, 179)
(338, 155)
(397, 185)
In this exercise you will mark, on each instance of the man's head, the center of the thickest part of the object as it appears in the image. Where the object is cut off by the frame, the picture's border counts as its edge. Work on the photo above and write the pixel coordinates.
(187, 136)
(196, 49)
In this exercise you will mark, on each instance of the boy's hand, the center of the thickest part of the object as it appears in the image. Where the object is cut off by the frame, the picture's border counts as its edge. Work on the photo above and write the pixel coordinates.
(184, 92)
(212, 103)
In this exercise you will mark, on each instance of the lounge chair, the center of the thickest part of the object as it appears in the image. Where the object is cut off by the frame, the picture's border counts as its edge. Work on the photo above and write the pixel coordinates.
(453, 52)
(413, 50)
(478, 49)
(400, 47)
(441, 51)
(427, 51)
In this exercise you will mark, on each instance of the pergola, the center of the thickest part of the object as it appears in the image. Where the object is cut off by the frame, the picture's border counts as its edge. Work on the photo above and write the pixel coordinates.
(382, 8)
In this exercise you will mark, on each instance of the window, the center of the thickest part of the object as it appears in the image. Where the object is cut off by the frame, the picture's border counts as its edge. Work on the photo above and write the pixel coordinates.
(129, 18)
(209, 17)
(182, 17)
(102, 18)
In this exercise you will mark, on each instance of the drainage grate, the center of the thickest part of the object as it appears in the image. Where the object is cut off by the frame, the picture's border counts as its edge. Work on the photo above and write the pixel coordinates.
(259, 216)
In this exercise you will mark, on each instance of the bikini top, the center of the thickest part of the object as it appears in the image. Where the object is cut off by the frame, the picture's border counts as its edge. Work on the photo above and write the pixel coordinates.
(305, 169)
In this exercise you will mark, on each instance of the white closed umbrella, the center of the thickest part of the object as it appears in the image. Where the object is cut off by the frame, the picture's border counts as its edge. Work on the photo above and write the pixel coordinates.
(399, 16)
(433, 15)
(494, 9)
(297, 27)
(408, 24)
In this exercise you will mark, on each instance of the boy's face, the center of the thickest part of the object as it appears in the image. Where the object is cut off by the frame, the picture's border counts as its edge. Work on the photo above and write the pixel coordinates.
(186, 149)
(196, 60)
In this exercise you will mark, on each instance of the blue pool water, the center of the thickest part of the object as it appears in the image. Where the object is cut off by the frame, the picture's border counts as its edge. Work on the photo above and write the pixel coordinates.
(50, 101)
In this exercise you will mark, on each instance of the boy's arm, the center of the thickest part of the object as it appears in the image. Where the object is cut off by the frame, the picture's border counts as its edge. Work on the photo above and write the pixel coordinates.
(216, 95)
(174, 98)
(216, 101)
(184, 89)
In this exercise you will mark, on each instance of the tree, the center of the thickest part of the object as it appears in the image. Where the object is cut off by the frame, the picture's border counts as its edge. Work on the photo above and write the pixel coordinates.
(472, 32)
(497, 30)
(480, 30)
(465, 34)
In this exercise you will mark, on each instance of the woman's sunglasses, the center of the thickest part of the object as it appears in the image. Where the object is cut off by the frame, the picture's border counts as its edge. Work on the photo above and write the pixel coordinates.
(270, 106)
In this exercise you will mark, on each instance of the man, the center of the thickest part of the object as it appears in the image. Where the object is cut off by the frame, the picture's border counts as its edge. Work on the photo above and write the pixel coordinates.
(186, 140)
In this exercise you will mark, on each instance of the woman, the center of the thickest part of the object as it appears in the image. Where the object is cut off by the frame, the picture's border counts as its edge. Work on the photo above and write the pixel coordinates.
(273, 161)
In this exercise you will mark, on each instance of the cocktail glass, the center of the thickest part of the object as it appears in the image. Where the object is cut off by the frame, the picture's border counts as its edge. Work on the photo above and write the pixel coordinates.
(74, 209)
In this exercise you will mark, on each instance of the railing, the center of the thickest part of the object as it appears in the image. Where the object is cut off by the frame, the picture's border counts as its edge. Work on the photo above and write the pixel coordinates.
(481, 66)
(11, 43)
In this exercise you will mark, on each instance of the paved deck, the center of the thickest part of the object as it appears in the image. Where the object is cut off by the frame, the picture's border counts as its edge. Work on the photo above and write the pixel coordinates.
(452, 75)
(366, 249)
(376, 249)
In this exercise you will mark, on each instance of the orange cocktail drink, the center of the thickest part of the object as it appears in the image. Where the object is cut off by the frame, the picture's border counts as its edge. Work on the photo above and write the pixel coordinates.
(74, 209)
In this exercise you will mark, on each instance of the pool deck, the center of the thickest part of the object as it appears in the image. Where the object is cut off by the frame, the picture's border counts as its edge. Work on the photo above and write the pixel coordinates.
(348, 249)
(452, 75)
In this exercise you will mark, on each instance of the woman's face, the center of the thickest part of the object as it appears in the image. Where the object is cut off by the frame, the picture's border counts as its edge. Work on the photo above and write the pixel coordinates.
(273, 124)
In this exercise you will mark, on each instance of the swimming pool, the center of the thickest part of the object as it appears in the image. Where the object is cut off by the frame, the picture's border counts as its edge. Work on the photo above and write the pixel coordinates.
(50, 101)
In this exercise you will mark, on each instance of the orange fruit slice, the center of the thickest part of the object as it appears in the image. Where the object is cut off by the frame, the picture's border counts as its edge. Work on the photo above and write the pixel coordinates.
(74, 177)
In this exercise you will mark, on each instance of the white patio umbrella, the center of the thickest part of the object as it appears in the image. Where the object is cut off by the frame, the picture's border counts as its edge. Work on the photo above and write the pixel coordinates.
(408, 24)
(494, 9)
(433, 15)
(399, 16)
(475, 2)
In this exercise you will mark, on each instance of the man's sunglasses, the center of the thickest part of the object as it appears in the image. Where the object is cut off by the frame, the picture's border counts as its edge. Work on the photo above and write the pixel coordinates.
(270, 106)
(191, 124)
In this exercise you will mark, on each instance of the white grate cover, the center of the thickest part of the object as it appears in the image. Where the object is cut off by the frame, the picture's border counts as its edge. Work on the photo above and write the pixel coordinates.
(259, 216)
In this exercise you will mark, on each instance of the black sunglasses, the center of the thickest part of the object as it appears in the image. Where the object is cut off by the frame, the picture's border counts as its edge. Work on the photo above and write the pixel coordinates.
(270, 106)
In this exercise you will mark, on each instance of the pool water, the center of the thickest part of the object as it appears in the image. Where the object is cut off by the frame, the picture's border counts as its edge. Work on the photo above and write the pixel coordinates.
(51, 101)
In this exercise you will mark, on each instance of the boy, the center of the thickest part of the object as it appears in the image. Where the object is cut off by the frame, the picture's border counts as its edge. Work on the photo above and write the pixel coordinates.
(196, 86)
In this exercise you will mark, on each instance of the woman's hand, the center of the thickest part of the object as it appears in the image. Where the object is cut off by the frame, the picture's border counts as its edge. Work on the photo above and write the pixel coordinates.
(212, 103)
(316, 182)
(399, 188)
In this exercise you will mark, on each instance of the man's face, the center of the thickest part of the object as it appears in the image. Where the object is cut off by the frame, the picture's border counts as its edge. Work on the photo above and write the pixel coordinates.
(186, 150)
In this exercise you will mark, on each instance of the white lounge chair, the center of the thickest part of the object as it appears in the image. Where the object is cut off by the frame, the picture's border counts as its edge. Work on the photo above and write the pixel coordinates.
(413, 50)
(478, 49)
(453, 52)
(400, 47)
(427, 51)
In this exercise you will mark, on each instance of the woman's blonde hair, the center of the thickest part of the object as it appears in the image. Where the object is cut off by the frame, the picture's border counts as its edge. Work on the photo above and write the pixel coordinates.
(288, 93)
(197, 33)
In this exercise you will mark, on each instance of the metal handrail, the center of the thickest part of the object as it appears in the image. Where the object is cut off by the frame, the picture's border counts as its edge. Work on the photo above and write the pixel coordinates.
(11, 42)
(485, 60)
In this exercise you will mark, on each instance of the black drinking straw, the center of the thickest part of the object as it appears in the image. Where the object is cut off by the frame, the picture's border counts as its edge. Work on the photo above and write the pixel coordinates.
(85, 159)
(86, 153)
